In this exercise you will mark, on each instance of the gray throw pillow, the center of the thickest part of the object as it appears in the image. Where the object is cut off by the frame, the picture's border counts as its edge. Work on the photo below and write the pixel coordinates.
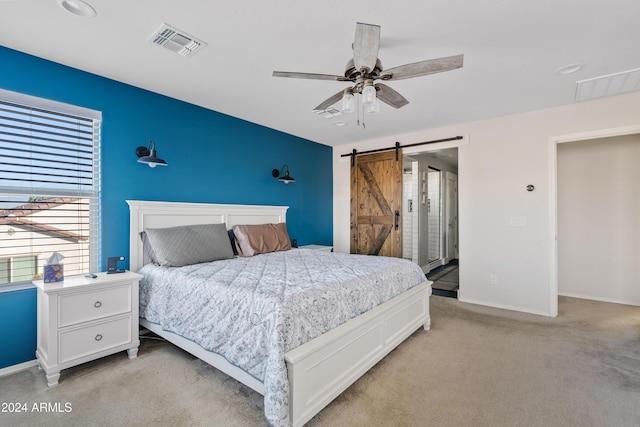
(189, 244)
(147, 249)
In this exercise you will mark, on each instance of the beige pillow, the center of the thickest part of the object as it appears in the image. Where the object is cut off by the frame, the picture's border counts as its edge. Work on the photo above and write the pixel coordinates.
(262, 238)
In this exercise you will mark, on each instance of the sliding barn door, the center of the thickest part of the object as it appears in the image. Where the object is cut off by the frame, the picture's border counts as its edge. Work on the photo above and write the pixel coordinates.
(376, 204)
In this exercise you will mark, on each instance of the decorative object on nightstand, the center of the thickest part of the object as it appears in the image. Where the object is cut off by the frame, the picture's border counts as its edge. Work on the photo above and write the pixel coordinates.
(112, 264)
(318, 248)
(84, 318)
(53, 269)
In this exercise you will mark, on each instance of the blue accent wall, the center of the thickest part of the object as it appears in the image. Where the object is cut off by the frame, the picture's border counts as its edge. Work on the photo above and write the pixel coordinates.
(212, 158)
(17, 327)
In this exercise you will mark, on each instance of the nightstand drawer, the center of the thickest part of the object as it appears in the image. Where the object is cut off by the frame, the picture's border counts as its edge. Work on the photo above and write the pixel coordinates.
(87, 340)
(97, 304)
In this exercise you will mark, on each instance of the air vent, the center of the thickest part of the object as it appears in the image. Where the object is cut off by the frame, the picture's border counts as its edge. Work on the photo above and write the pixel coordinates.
(609, 85)
(176, 41)
(328, 112)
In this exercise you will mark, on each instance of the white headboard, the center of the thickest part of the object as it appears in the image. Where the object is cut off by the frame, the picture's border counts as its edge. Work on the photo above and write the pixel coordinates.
(146, 214)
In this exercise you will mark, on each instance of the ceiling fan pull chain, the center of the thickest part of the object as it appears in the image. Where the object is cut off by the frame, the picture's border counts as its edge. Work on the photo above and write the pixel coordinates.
(358, 109)
(362, 115)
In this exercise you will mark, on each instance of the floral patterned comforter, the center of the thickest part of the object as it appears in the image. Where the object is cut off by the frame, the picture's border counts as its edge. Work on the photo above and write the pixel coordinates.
(253, 310)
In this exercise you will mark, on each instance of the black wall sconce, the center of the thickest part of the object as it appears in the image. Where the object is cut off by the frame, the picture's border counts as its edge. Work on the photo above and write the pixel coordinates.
(148, 156)
(286, 178)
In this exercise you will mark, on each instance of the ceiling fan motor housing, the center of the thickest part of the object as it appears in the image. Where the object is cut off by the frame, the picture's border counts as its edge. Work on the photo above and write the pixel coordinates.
(352, 74)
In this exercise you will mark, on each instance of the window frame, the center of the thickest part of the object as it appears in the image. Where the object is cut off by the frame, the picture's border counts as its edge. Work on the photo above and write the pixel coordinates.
(93, 195)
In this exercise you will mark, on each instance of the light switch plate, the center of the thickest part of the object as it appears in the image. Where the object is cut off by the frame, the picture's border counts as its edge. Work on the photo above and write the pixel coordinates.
(518, 221)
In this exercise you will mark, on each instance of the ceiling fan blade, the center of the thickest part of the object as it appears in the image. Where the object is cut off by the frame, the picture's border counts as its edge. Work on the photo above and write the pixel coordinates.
(366, 46)
(423, 68)
(312, 76)
(329, 101)
(389, 96)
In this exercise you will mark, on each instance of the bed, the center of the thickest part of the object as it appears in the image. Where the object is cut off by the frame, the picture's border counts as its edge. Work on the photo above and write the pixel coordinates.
(315, 371)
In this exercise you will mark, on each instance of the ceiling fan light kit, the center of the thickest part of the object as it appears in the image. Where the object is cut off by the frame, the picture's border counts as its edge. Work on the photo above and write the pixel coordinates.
(369, 99)
(365, 68)
(371, 108)
(348, 101)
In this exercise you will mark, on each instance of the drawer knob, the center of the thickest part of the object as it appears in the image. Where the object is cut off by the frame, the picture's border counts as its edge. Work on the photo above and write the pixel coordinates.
(97, 304)
(98, 337)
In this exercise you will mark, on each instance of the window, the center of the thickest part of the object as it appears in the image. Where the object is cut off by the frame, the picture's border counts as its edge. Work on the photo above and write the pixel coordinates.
(49, 187)
(18, 268)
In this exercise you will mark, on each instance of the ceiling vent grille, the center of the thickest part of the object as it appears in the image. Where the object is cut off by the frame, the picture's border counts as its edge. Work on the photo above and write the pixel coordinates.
(609, 85)
(328, 113)
(176, 41)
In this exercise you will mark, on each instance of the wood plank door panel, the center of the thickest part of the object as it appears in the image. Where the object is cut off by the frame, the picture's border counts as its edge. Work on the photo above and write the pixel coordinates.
(376, 204)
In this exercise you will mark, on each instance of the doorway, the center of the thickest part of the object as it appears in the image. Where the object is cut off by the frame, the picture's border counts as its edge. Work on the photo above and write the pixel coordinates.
(430, 205)
(554, 142)
(598, 219)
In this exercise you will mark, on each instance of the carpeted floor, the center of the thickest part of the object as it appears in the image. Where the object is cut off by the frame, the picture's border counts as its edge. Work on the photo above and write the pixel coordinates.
(477, 366)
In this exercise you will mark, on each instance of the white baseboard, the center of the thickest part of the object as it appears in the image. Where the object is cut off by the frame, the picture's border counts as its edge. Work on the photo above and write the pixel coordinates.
(17, 368)
(595, 298)
(502, 306)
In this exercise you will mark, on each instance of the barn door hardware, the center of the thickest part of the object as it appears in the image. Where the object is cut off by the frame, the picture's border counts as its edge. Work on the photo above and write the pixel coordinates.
(396, 147)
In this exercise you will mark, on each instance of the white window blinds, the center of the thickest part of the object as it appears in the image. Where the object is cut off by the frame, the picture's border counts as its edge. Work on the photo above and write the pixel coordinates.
(49, 187)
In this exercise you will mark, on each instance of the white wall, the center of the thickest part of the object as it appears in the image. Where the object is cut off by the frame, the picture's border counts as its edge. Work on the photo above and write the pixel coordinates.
(502, 157)
(599, 219)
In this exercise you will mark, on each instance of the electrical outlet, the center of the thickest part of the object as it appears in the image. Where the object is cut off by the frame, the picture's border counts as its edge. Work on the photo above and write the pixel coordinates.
(493, 279)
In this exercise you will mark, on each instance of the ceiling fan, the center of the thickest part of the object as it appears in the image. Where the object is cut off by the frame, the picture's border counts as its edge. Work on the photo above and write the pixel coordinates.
(365, 68)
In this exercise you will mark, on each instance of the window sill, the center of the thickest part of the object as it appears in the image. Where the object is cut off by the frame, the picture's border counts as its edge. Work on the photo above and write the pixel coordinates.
(16, 287)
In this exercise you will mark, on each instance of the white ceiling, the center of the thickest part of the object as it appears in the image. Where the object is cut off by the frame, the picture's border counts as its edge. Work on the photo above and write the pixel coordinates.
(511, 52)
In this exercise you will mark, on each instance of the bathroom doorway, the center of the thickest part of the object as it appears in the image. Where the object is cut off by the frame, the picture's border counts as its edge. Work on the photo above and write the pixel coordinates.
(430, 237)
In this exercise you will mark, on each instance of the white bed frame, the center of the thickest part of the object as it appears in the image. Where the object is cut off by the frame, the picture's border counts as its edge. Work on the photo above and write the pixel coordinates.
(322, 368)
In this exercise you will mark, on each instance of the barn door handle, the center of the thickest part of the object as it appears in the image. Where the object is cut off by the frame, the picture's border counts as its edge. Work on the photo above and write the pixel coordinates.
(396, 218)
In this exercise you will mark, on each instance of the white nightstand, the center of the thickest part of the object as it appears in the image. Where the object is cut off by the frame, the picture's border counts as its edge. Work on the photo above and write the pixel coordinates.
(82, 319)
(318, 248)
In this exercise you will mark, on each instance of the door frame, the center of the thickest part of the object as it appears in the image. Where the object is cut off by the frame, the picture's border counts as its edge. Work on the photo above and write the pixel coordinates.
(553, 196)
(435, 263)
(446, 207)
(449, 206)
